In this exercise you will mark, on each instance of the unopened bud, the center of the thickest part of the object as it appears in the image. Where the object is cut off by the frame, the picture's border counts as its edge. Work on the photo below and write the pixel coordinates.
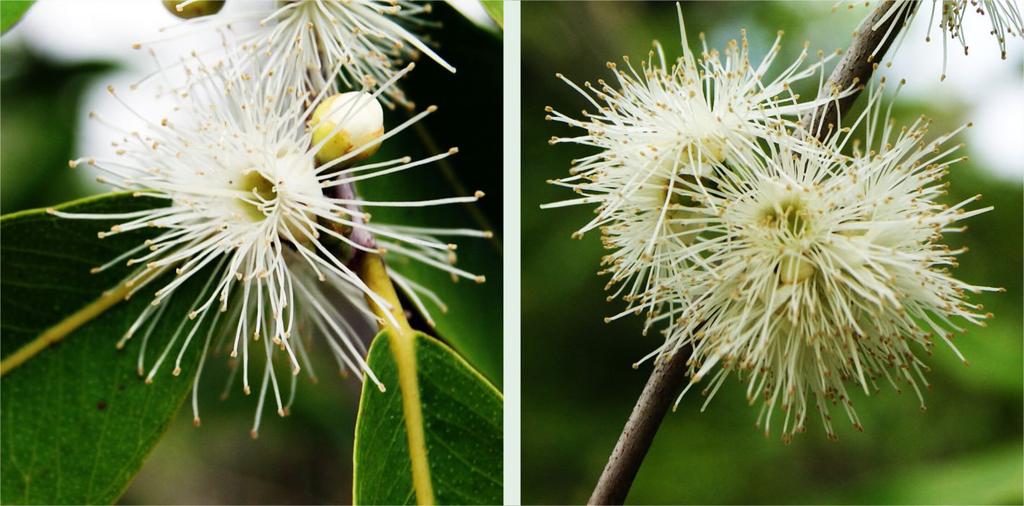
(188, 10)
(352, 120)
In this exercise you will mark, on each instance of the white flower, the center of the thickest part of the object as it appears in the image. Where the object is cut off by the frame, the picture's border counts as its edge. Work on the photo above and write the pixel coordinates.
(254, 218)
(663, 129)
(1004, 16)
(806, 274)
(364, 43)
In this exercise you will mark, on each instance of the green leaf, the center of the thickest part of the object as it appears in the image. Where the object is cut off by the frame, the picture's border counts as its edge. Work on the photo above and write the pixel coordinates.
(462, 421)
(77, 421)
(11, 11)
(494, 8)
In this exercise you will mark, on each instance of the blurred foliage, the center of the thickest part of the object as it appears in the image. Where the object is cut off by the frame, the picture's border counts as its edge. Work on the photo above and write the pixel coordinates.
(41, 111)
(578, 386)
(307, 457)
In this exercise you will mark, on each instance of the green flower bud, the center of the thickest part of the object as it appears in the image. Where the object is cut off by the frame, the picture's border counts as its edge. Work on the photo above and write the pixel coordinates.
(188, 10)
(361, 121)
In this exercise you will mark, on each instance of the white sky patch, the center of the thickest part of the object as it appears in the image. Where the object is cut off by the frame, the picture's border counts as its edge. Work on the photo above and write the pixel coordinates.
(998, 134)
(83, 30)
(990, 88)
(74, 30)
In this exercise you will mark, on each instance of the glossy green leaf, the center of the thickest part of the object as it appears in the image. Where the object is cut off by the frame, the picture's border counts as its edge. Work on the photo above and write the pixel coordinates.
(462, 420)
(77, 421)
(11, 11)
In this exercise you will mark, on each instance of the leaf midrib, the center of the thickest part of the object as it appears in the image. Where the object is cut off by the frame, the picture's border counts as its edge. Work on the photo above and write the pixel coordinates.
(60, 329)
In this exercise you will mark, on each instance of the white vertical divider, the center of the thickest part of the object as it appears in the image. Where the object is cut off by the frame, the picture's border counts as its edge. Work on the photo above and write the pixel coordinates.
(511, 267)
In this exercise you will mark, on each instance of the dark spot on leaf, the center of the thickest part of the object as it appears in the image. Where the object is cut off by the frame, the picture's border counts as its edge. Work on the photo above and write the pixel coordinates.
(101, 405)
(120, 388)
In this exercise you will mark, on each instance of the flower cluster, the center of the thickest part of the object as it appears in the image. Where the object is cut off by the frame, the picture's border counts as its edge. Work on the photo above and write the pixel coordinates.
(829, 270)
(802, 265)
(666, 128)
(349, 44)
(258, 172)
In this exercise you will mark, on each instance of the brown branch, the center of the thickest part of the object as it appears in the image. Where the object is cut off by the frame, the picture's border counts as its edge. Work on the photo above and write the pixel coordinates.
(661, 389)
(360, 235)
(669, 375)
(858, 64)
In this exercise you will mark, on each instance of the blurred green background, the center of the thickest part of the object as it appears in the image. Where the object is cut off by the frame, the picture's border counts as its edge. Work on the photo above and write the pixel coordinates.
(578, 386)
(48, 84)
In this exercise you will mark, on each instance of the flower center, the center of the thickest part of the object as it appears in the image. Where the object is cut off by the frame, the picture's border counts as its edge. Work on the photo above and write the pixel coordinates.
(789, 214)
(790, 217)
(261, 188)
(709, 149)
